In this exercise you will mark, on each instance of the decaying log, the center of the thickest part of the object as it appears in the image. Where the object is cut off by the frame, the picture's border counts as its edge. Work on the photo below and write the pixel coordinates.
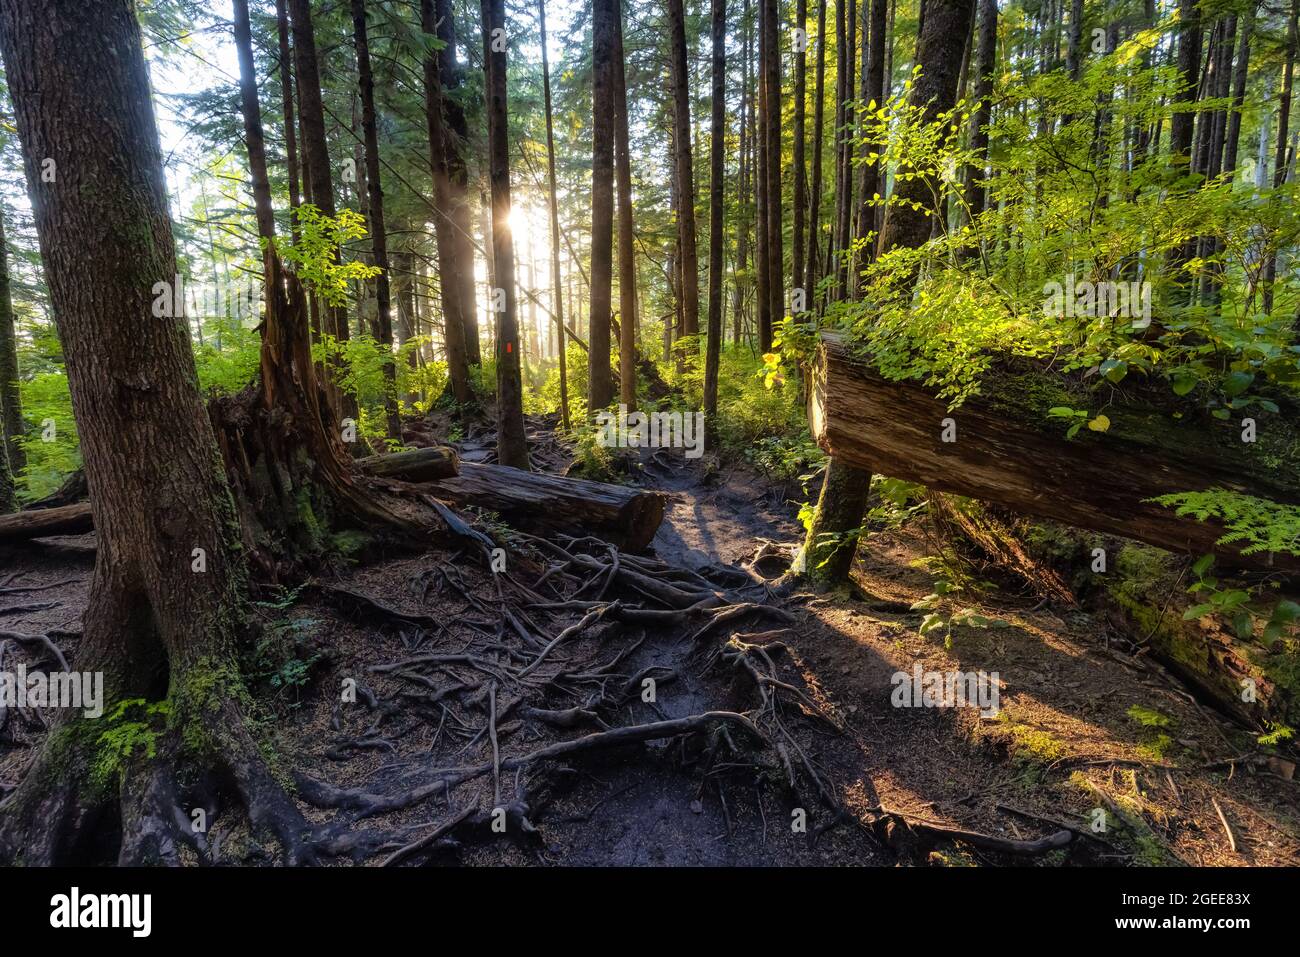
(40, 522)
(628, 517)
(1007, 450)
(416, 465)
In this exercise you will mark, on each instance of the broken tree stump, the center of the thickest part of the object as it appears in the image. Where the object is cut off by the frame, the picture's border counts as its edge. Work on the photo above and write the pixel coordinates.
(1007, 450)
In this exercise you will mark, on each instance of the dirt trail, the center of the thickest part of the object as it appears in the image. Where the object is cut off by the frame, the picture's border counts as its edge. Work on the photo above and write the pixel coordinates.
(1064, 746)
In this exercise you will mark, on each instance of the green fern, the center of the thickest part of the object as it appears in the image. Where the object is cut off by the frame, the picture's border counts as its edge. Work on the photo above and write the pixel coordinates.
(1259, 524)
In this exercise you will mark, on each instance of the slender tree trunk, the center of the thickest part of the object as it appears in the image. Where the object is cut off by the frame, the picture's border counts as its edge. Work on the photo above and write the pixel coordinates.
(383, 324)
(873, 92)
(600, 383)
(557, 306)
(832, 537)
(762, 262)
(626, 232)
(290, 132)
(689, 264)
(456, 136)
(744, 207)
(253, 136)
(772, 139)
(1280, 164)
(800, 164)
(512, 449)
(11, 402)
(985, 65)
(450, 288)
(811, 272)
(717, 187)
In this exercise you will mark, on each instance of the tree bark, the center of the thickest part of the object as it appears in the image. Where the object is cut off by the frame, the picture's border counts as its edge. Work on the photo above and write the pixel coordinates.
(713, 347)
(627, 365)
(382, 330)
(800, 165)
(1007, 452)
(946, 25)
(985, 64)
(1280, 164)
(557, 306)
(600, 382)
(11, 402)
(772, 138)
(456, 136)
(450, 288)
(685, 165)
(811, 271)
(156, 623)
(512, 449)
(254, 138)
(286, 99)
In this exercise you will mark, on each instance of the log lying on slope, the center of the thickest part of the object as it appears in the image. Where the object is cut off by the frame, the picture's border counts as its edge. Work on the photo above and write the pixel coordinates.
(628, 517)
(1007, 450)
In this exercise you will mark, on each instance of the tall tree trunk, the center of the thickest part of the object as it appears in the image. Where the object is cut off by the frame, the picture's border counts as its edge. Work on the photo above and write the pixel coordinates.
(316, 160)
(985, 65)
(800, 164)
(744, 206)
(11, 402)
(456, 135)
(166, 607)
(383, 326)
(832, 537)
(512, 449)
(689, 264)
(811, 272)
(557, 305)
(762, 263)
(286, 98)
(772, 140)
(717, 187)
(626, 232)
(1283, 128)
(450, 288)
(873, 91)
(600, 383)
(254, 138)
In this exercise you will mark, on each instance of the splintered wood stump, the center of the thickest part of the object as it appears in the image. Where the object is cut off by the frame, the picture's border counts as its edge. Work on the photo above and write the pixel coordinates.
(1006, 449)
(628, 517)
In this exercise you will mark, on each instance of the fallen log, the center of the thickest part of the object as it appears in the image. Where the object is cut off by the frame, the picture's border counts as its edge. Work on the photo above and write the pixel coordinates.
(1004, 448)
(43, 522)
(414, 465)
(628, 517)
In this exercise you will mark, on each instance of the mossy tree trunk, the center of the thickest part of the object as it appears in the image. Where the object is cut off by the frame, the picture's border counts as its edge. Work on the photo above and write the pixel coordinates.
(166, 604)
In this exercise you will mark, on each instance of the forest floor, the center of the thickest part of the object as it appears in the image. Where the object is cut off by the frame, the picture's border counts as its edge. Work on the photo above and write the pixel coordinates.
(1063, 745)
